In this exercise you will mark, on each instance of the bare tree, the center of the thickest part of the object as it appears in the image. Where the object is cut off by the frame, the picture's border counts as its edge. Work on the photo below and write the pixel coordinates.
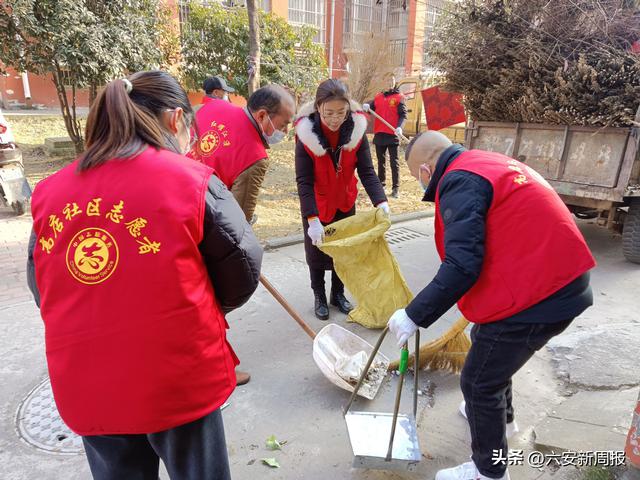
(254, 46)
(371, 66)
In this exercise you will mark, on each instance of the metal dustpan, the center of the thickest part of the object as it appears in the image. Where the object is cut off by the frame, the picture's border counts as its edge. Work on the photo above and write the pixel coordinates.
(385, 441)
(334, 342)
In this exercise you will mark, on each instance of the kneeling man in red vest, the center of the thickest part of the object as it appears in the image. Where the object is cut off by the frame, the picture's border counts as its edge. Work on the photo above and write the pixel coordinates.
(516, 264)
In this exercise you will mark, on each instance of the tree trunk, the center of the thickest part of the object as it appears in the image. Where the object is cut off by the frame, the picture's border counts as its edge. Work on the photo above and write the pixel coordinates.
(68, 113)
(254, 46)
(93, 93)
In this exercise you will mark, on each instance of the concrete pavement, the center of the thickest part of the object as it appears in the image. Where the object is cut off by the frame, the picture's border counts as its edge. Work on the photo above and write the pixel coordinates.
(288, 397)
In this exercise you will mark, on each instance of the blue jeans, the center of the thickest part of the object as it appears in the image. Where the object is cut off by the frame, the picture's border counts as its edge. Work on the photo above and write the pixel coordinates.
(498, 351)
(194, 451)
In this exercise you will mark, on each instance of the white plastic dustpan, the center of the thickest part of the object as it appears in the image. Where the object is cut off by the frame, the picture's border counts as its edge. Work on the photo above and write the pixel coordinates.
(333, 342)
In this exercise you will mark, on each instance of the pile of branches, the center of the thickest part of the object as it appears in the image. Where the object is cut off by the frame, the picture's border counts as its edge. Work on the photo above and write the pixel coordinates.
(542, 61)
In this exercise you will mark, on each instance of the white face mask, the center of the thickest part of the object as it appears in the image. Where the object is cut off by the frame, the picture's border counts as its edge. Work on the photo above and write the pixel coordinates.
(173, 139)
(225, 97)
(276, 137)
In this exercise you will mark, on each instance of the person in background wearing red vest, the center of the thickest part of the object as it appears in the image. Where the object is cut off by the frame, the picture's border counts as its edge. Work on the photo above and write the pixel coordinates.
(516, 264)
(137, 253)
(216, 87)
(331, 146)
(390, 105)
(234, 142)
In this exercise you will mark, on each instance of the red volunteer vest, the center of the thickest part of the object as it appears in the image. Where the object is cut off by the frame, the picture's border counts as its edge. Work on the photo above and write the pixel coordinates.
(334, 191)
(387, 108)
(533, 247)
(135, 339)
(229, 142)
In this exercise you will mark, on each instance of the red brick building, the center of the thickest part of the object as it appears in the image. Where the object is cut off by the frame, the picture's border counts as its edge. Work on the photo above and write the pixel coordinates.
(339, 22)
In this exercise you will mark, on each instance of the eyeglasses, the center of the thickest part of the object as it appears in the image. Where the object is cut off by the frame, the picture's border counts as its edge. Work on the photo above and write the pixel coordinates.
(334, 115)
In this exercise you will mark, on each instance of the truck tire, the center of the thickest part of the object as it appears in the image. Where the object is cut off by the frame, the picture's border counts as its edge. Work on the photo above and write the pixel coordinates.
(631, 232)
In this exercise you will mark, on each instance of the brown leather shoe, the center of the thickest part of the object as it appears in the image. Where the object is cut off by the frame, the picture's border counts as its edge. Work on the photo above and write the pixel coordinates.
(242, 378)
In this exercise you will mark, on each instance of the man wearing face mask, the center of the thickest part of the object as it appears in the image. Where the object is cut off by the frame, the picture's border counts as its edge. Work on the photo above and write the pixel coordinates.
(216, 87)
(234, 142)
(516, 264)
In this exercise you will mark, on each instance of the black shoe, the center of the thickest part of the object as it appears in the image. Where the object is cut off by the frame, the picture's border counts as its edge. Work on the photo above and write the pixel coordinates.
(340, 301)
(321, 308)
(394, 192)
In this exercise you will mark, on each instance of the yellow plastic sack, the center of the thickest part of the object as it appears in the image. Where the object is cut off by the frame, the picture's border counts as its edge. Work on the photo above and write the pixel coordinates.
(364, 262)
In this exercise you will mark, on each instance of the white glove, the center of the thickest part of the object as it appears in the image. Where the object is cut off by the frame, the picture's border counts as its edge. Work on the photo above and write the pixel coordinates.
(366, 107)
(402, 326)
(398, 132)
(385, 208)
(316, 231)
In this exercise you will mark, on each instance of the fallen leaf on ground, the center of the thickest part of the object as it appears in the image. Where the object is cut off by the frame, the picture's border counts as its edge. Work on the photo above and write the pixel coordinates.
(273, 444)
(272, 462)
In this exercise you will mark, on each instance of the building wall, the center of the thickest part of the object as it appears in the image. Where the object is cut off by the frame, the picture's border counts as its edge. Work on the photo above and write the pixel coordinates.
(415, 36)
(335, 17)
(435, 8)
(43, 91)
(407, 30)
(280, 8)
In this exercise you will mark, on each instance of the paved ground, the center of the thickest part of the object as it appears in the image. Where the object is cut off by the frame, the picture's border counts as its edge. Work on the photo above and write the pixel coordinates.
(288, 397)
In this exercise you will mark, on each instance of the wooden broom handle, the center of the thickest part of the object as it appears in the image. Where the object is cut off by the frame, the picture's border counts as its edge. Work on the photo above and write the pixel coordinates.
(281, 300)
(402, 137)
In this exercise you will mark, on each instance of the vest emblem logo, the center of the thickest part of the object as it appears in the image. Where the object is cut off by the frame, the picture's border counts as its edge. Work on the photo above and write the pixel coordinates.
(393, 102)
(92, 256)
(209, 142)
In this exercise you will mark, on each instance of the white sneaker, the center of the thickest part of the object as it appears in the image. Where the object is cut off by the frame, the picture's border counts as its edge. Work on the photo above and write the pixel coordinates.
(512, 428)
(466, 471)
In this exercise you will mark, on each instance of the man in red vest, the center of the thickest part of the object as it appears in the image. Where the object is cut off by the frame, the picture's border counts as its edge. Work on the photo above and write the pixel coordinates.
(516, 264)
(390, 105)
(234, 142)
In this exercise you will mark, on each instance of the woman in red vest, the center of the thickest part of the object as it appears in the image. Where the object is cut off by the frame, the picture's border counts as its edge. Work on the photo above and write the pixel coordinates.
(390, 105)
(132, 249)
(332, 145)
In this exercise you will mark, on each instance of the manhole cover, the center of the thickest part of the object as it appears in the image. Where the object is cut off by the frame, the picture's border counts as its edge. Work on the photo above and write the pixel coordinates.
(398, 235)
(40, 425)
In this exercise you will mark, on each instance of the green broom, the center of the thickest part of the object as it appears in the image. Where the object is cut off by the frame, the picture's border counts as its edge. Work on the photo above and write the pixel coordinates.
(445, 353)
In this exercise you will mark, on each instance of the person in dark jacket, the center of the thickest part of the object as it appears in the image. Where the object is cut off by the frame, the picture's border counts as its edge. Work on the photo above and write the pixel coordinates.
(136, 255)
(391, 106)
(516, 264)
(216, 87)
(331, 146)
